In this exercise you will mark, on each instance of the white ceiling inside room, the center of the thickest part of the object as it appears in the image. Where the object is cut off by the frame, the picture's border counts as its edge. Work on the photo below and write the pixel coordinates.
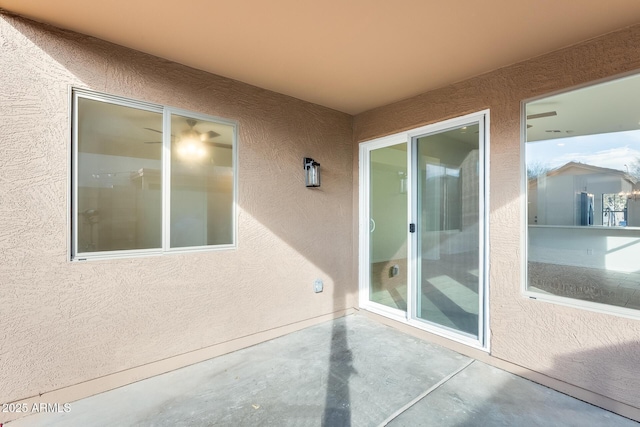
(351, 56)
(612, 106)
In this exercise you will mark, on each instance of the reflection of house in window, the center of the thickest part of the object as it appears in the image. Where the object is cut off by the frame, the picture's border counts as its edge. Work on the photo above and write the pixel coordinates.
(581, 194)
(598, 261)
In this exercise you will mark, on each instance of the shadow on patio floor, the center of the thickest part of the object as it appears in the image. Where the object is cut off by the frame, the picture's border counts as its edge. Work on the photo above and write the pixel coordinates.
(319, 377)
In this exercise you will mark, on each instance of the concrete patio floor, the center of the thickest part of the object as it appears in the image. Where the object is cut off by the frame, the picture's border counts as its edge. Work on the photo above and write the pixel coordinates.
(351, 371)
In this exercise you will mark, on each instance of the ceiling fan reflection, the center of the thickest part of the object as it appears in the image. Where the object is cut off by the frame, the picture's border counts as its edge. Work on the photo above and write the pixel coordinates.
(204, 137)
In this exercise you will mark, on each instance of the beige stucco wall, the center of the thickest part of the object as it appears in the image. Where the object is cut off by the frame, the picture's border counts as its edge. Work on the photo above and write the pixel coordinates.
(594, 351)
(63, 323)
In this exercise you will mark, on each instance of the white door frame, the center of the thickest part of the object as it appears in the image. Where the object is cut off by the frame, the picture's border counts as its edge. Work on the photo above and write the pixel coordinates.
(409, 137)
(365, 226)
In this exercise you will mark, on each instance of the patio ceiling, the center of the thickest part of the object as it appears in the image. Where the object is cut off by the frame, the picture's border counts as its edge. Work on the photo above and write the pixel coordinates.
(348, 55)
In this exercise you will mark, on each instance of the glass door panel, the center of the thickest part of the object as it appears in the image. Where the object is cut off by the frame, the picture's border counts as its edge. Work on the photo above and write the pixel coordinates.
(448, 248)
(388, 226)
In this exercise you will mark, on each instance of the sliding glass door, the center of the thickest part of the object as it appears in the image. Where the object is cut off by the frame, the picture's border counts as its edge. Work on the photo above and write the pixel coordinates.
(423, 228)
(448, 232)
(388, 226)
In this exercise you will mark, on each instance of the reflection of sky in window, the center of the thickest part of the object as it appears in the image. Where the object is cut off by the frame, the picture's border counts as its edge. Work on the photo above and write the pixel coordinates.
(609, 150)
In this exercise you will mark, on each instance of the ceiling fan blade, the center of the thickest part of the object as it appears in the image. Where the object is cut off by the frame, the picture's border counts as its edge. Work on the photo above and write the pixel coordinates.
(209, 135)
(159, 131)
(218, 145)
(153, 142)
(541, 115)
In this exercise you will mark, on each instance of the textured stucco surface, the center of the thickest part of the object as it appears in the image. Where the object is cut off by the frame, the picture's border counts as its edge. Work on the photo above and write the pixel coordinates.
(598, 352)
(64, 322)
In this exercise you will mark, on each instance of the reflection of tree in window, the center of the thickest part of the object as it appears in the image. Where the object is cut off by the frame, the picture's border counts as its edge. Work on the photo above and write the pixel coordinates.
(536, 169)
(633, 168)
(614, 210)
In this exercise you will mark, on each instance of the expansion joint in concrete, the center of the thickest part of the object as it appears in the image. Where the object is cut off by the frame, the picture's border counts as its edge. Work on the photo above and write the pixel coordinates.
(425, 393)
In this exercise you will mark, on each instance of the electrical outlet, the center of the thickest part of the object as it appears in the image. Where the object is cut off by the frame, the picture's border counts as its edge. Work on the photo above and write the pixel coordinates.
(318, 285)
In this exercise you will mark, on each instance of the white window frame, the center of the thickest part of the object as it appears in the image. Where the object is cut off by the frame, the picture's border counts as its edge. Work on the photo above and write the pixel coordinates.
(167, 112)
(524, 217)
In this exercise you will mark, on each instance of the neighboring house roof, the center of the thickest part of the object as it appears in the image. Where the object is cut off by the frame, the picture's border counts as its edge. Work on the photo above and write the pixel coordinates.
(564, 169)
(569, 169)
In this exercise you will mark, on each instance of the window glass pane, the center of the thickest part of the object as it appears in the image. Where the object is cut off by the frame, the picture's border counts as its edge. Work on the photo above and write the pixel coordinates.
(448, 229)
(119, 194)
(388, 226)
(583, 197)
(201, 182)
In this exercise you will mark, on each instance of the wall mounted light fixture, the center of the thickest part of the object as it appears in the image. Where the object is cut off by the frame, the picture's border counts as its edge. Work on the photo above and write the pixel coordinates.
(311, 172)
(633, 195)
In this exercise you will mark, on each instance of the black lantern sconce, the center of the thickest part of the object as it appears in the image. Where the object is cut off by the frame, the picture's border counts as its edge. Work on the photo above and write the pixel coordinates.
(311, 172)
